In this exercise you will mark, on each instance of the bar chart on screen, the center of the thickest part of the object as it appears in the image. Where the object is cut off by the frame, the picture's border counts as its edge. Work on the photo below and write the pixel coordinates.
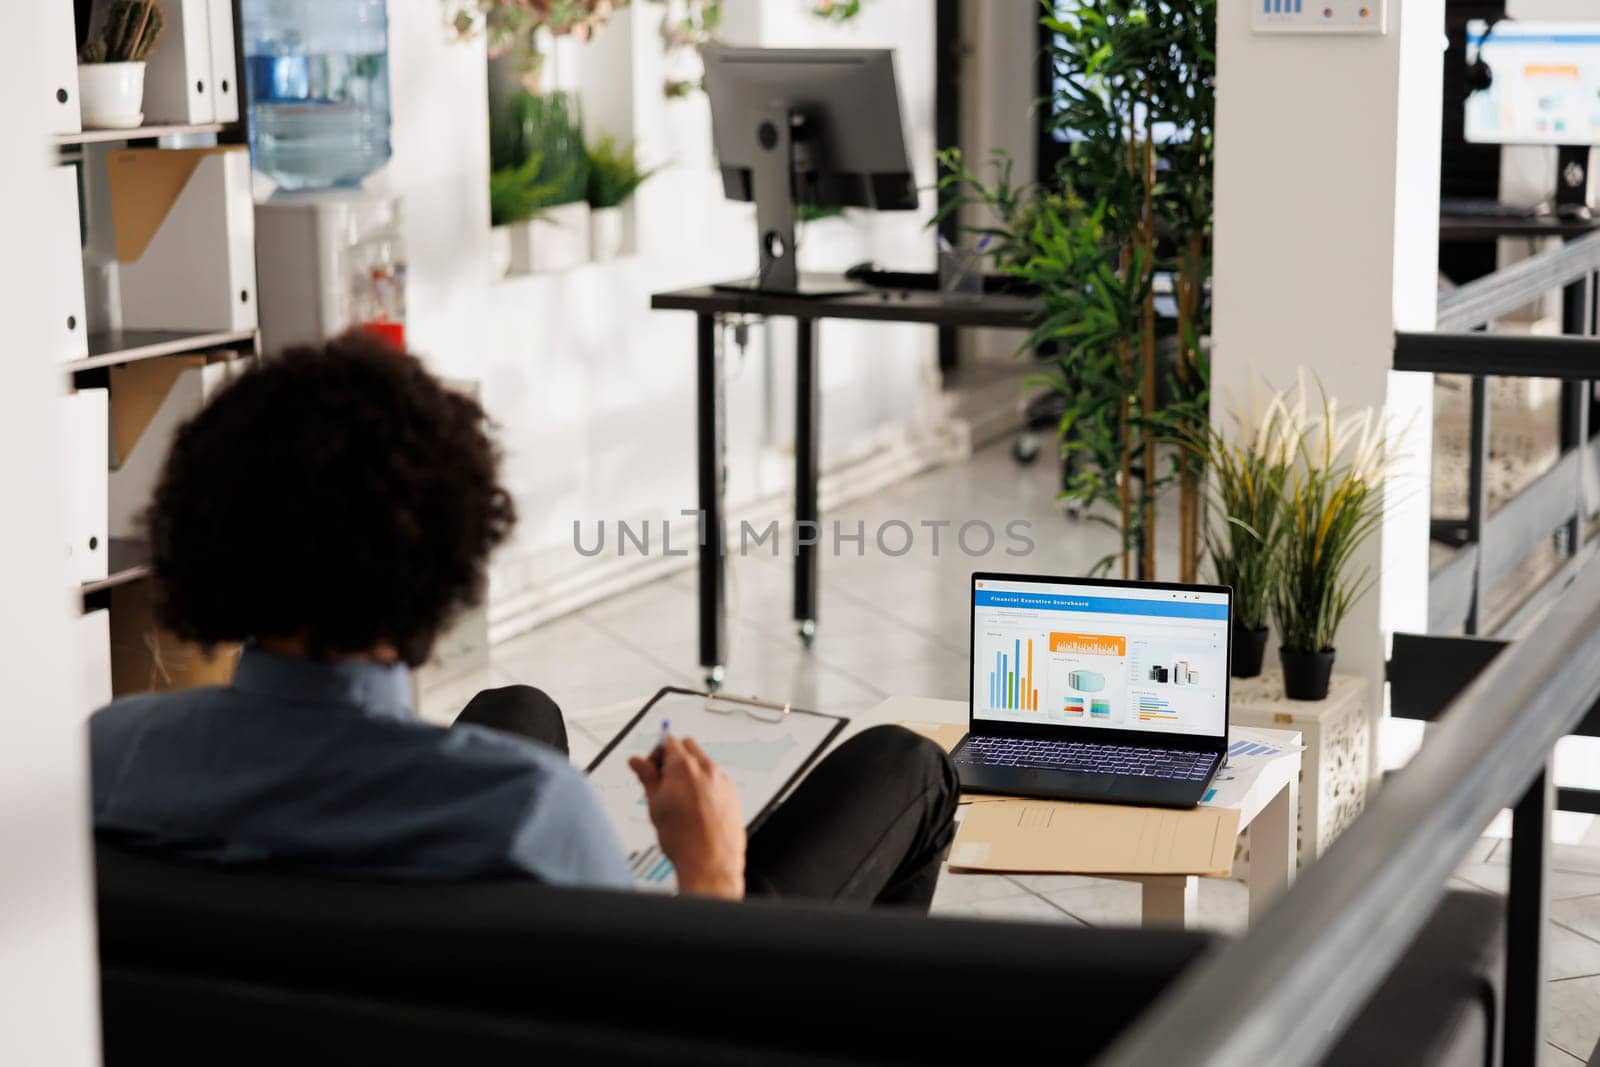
(1011, 683)
(1154, 709)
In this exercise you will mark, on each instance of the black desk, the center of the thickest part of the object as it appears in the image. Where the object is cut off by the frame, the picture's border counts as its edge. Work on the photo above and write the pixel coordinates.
(925, 307)
(1480, 228)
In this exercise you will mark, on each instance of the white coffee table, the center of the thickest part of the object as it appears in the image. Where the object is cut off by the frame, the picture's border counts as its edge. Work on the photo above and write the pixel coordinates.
(1267, 813)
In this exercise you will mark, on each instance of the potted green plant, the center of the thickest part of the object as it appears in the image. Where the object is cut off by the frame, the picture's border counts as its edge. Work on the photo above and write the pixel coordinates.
(1132, 83)
(614, 176)
(1333, 502)
(1249, 470)
(111, 65)
(539, 178)
(516, 197)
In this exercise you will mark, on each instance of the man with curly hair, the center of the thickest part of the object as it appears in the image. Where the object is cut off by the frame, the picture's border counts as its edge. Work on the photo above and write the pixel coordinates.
(332, 509)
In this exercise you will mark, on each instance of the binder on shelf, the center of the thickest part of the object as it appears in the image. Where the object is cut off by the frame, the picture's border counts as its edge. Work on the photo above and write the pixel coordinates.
(62, 263)
(185, 237)
(91, 639)
(224, 85)
(149, 400)
(84, 442)
(58, 92)
(177, 76)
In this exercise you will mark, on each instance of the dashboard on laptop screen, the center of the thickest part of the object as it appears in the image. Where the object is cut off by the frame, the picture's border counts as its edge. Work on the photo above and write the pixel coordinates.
(1097, 655)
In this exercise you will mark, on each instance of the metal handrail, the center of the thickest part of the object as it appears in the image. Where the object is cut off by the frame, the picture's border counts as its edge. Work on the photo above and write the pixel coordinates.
(1480, 302)
(1499, 355)
(1285, 992)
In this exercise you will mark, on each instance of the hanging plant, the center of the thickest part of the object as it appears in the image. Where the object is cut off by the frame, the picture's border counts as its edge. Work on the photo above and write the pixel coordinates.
(686, 26)
(511, 27)
(836, 10)
(1133, 95)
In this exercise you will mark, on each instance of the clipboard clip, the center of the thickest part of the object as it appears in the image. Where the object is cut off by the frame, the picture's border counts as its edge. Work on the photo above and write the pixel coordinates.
(759, 710)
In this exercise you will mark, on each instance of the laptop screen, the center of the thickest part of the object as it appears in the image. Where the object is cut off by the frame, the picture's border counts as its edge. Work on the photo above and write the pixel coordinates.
(1121, 656)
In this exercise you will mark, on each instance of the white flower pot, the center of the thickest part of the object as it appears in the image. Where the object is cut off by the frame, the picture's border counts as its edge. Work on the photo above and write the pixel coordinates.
(499, 251)
(111, 94)
(558, 241)
(607, 232)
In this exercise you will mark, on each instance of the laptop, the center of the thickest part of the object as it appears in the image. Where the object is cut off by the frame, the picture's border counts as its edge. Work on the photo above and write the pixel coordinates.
(1099, 690)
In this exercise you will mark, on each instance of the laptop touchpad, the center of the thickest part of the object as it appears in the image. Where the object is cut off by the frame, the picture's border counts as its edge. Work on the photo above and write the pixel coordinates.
(1067, 780)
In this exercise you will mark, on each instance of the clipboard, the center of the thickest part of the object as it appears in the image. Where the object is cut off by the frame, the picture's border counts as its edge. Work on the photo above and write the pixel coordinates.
(764, 747)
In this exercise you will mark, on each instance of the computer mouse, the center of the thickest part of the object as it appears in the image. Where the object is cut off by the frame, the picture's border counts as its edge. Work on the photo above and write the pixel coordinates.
(863, 270)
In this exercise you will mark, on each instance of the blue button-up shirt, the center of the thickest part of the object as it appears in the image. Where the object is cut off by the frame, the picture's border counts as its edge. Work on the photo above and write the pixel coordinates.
(325, 766)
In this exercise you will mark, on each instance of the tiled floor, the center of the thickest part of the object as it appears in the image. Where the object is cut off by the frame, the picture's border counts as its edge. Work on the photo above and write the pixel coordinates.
(897, 625)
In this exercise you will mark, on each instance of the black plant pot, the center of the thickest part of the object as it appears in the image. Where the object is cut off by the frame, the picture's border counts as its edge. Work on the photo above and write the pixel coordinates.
(1249, 649)
(1306, 674)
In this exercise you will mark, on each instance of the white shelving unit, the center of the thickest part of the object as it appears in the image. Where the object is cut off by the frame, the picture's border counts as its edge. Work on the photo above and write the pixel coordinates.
(89, 366)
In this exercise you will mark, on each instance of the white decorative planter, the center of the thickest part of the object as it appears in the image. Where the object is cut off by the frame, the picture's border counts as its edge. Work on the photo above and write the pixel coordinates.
(500, 251)
(558, 241)
(607, 232)
(111, 94)
(1337, 733)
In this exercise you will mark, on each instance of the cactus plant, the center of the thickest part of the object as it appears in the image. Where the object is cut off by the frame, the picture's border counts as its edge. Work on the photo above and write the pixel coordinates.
(128, 34)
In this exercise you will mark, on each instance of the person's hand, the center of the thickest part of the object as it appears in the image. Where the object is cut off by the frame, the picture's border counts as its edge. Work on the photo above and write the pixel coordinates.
(695, 809)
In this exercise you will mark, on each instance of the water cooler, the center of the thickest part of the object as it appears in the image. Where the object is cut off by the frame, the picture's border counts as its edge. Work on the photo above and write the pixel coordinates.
(329, 253)
(329, 261)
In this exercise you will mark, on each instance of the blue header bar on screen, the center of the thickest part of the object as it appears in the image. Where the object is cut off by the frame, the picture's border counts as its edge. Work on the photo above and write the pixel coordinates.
(1099, 605)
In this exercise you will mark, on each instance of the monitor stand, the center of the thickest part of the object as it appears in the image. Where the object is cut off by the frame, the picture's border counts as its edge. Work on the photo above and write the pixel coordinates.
(783, 138)
(1572, 183)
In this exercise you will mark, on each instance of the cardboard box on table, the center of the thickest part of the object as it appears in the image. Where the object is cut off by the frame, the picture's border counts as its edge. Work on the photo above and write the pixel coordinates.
(150, 399)
(185, 237)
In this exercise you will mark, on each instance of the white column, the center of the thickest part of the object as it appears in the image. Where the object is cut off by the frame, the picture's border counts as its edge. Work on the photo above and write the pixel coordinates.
(49, 1001)
(1326, 243)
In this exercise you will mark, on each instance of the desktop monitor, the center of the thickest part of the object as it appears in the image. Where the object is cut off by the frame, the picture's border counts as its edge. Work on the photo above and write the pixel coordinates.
(1544, 83)
(1538, 83)
(812, 126)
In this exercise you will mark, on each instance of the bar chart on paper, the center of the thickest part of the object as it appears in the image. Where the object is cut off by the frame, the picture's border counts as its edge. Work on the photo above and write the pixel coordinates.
(1011, 683)
(760, 756)
(651, 869)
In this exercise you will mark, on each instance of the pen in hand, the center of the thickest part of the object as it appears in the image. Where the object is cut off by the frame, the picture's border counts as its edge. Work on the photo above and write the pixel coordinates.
(660, 752)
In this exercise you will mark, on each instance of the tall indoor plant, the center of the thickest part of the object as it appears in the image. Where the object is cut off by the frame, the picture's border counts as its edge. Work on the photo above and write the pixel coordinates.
(1249, 469)
(1133, 94)
(1333, 502)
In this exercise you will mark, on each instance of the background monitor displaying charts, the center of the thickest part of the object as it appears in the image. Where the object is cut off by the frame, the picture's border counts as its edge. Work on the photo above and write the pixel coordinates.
(1545, 87)
(1130, 658)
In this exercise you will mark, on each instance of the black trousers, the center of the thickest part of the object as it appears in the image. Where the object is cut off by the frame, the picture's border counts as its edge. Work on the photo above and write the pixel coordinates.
(868, 826)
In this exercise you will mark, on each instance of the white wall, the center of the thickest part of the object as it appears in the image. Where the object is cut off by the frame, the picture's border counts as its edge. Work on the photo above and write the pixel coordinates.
(1326, 238)
(594, 393)
(441, 169)
(49, 1002)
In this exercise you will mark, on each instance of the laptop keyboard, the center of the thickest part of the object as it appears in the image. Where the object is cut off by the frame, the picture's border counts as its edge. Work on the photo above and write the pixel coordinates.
(1086, 758)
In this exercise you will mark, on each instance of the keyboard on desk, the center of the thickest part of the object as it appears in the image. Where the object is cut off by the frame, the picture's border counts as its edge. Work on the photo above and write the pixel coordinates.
(1086, 758)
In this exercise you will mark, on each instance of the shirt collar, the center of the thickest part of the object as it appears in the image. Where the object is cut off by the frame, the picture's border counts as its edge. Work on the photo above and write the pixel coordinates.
(375, 688)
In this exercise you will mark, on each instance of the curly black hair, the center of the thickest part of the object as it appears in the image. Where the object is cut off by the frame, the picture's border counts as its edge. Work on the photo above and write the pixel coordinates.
(340, 495)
